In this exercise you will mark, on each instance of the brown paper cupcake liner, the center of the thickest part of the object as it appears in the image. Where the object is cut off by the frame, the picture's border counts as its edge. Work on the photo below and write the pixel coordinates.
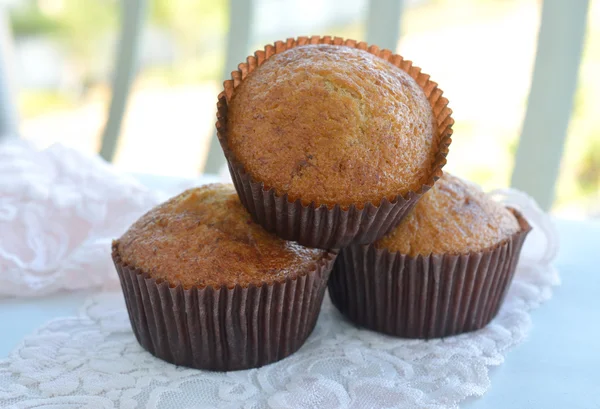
(223, 329)
(317, 225)
(425, 296)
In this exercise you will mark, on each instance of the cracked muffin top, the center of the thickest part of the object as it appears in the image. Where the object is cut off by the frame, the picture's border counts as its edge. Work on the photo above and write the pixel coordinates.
(454, 217)
(334, 125)
(204, 236)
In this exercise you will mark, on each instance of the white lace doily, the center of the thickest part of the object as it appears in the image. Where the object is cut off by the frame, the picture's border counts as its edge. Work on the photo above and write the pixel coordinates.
(62, 210)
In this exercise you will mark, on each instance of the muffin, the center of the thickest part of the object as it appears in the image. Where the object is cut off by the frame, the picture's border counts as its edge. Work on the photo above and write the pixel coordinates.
(444, 270)
(208, 288)
(330, 142)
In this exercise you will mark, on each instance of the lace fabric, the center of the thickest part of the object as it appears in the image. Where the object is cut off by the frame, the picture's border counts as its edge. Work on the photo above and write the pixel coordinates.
(61, 210)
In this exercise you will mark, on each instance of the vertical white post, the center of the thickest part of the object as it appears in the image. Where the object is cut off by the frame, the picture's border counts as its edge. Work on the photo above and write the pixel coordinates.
(238, 44)
(132, 20)
(383, 23)
(553, 85)
(8, 109)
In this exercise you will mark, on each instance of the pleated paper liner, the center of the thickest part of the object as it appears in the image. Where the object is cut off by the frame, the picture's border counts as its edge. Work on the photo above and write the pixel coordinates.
(223, 329)
(425, 296)
(317, 225)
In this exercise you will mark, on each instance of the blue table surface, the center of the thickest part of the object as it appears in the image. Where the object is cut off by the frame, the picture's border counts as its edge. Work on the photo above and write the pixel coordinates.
(557, 366)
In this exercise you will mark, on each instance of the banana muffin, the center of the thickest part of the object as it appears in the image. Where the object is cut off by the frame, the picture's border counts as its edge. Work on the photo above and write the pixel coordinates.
(337, 127)
(333, 125)
(207, 287)
(455, 217)
(443, 270)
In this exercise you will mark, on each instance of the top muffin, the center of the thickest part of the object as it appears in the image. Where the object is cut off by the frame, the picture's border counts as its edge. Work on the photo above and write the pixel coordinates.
(454, 217)
(205, 236)
(333, 125)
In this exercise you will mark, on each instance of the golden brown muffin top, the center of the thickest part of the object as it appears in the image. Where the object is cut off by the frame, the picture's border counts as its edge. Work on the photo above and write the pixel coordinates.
(454, 217)
(333, 125)
(204, 236)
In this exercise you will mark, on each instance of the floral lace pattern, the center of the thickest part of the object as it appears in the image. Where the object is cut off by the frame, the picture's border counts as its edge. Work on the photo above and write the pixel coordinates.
(64, 218)
(59, 211)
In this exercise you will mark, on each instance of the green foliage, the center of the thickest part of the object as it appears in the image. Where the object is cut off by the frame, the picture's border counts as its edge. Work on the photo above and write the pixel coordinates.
(206, 67)
(29, 21)
(78, 23)
(190, 16)
(33, 103)
(512, 147)
(88, 18)
(196, 25)
(83, 23)
(588, 169)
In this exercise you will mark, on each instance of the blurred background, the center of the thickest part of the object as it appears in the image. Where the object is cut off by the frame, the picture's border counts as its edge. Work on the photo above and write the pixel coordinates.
(481, 52)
